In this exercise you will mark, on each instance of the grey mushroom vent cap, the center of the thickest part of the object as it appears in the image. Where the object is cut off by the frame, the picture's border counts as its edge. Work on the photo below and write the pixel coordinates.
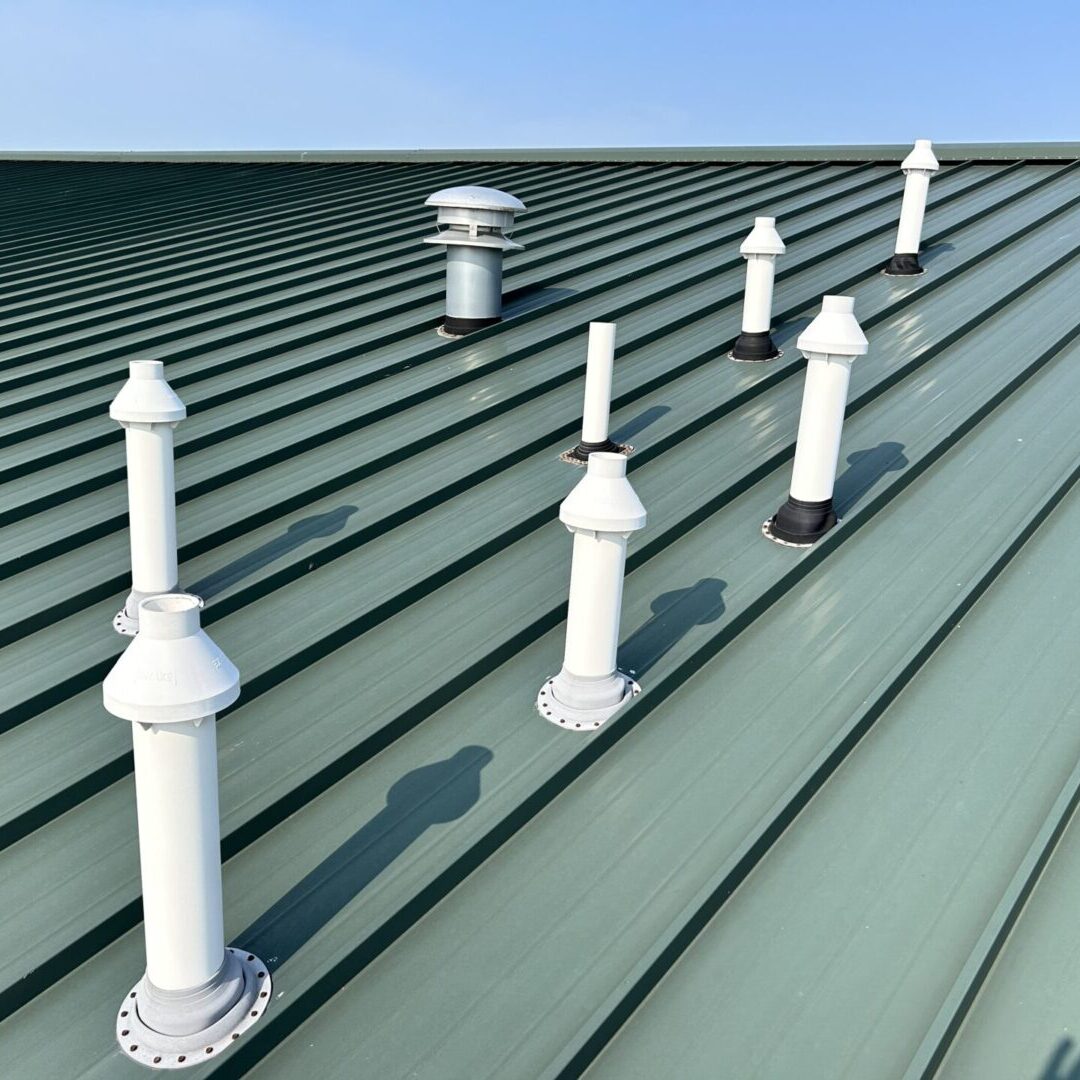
(475, 197)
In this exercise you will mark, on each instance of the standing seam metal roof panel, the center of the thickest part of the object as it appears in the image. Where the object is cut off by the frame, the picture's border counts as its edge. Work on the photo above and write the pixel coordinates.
(805, 846)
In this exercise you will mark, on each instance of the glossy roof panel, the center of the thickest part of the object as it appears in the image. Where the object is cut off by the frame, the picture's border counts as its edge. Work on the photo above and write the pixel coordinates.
(824, 840)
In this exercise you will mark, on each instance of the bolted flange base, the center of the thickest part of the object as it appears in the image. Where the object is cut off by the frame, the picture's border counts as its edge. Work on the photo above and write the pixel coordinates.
(579, 455)
(583, 720)
(754, 348)
(124, 624)
(149, 1047)
(903, 266)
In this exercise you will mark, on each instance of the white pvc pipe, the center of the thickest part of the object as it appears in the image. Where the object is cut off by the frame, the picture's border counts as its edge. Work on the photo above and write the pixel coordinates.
(151, 508)
(179, 849)
(757, 300)
(912, 210)
(596, 586)
(821, 423)
(599, 365)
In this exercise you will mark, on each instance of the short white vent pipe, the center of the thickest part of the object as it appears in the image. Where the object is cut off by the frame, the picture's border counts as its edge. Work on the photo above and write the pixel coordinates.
(196, 996)
(759, 249)
(601, 513)
(599, 368)
(918, 167)
(474, 226)
(830, 343)
(148, 409)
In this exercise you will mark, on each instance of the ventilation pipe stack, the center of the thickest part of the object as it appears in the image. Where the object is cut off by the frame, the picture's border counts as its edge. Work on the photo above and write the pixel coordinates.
(599, 366)
(829, 343)
(759, 249)
(196, 997)
(148, 409)
(601, 512)
(918, 167)
(474, 226)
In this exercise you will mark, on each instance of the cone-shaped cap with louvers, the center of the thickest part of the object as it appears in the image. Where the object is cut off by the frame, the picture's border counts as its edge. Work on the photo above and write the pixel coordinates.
(921, 157)
(835, 331)
(603, 500)
(474, 224)
(146, 398)
(830, 343)
(172, 671)
(763, 239)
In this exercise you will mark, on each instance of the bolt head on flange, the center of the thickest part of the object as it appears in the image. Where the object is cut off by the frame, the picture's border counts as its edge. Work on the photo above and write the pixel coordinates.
(157, 1051)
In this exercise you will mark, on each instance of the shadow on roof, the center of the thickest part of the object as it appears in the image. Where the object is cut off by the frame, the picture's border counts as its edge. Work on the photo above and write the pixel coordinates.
(639, 423)
(299, 532)
(430, 795)
(865, 469)
(1056, 1068)
(674, 615)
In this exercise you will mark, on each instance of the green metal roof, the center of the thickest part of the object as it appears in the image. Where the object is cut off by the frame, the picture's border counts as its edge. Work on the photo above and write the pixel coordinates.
(830, 838)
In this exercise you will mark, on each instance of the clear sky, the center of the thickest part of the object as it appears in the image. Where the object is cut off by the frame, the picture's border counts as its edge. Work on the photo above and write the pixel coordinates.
(241, 74)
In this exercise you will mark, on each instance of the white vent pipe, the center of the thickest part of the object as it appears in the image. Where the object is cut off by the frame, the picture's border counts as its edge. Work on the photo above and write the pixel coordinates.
(759, 249)
(599, 368)
(601, 512)
(918, 167)
(830, 343)
(148, 409)
(196, 995)
(474, 227)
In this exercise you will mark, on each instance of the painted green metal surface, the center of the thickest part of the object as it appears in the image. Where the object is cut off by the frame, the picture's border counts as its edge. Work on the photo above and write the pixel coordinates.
(801, 851)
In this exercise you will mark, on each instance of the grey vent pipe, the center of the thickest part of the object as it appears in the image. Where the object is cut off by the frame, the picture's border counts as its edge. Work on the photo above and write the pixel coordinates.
(474, 227)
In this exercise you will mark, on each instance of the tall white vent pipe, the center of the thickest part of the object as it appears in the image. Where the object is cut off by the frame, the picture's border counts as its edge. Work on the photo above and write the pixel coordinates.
(918, 167)
(474, 227)
(148, 409)
(196, 996)
(759, 249)
(599, 368)
(829, 343)
(601, 512)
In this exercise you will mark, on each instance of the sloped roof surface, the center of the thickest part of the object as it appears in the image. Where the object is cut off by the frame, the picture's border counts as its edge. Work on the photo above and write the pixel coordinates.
(830, 838)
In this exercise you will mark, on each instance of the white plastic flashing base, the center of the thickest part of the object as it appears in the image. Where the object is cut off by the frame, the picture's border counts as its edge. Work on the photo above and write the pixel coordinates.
(584, 720)
(157, 1051)
(124, 624)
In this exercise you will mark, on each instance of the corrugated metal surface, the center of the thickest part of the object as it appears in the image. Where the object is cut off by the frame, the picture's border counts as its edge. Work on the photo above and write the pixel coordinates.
(800, 852)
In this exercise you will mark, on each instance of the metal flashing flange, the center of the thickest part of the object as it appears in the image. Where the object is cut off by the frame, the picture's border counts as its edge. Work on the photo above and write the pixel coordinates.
(157, 1051)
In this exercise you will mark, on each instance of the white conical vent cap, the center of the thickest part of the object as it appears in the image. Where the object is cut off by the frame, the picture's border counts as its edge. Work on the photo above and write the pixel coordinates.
(146, 398)
(835, 330)
(474, 197)
(603, 500)
(922, 157)
(172, 671)
(763, 239)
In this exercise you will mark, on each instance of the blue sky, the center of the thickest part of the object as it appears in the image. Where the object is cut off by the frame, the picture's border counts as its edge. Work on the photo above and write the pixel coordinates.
(119, 74)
